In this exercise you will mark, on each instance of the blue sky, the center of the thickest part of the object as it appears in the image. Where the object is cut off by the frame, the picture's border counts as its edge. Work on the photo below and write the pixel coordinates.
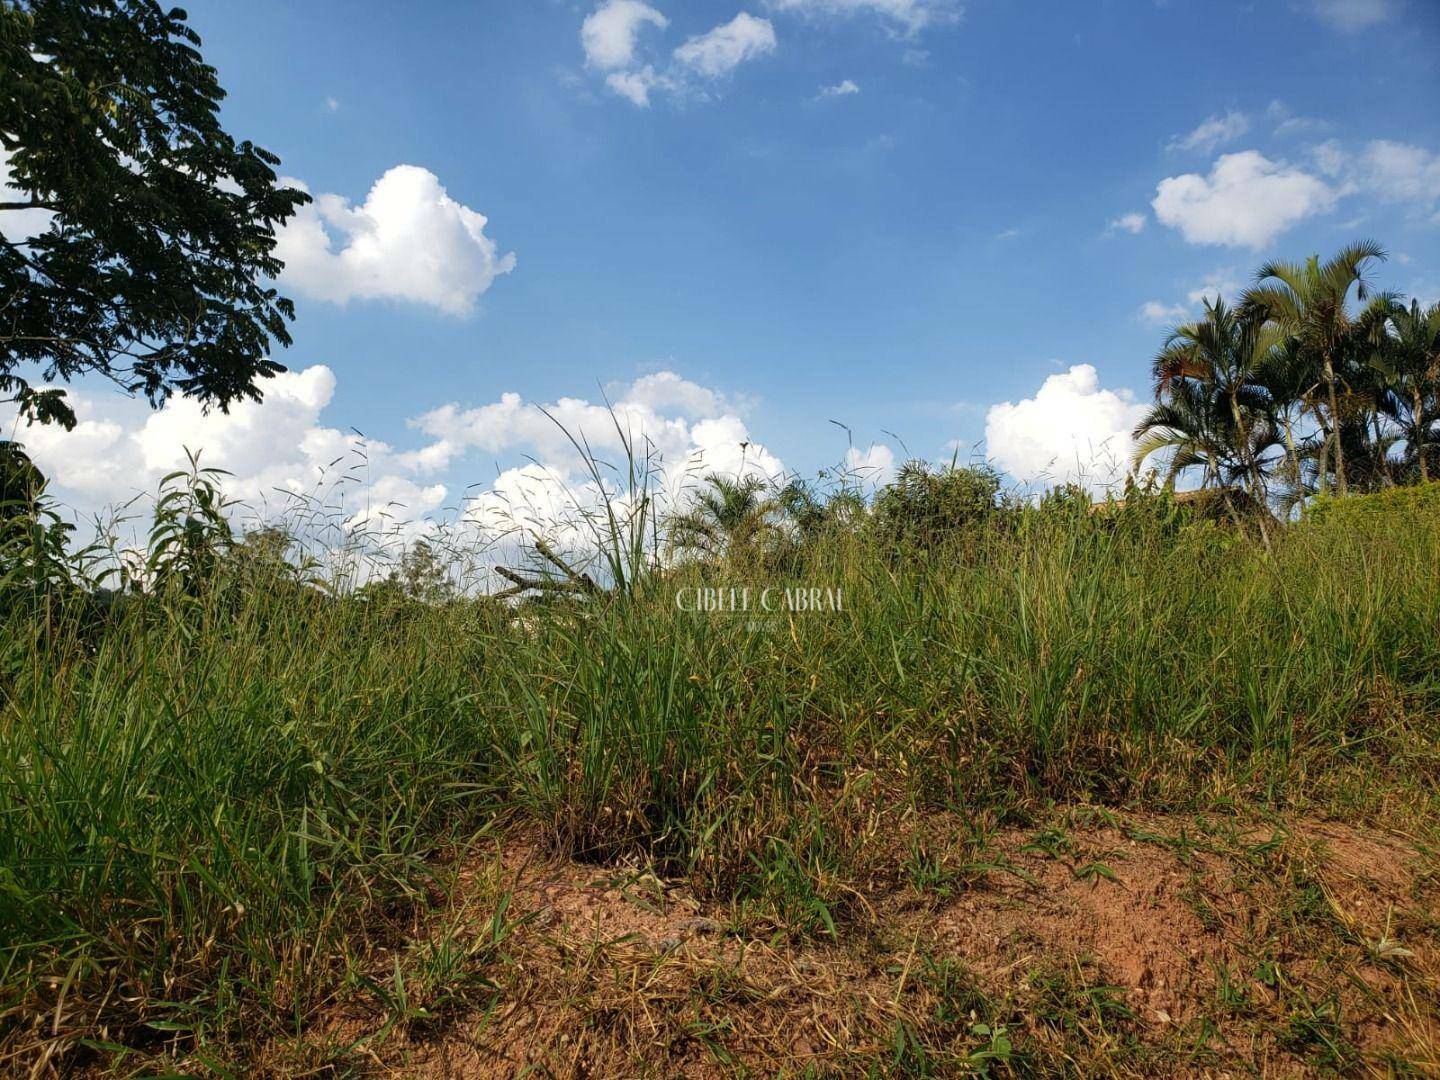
(898, 214)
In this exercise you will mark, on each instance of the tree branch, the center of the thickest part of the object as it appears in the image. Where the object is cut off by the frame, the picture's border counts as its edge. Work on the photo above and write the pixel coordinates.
(580, 580)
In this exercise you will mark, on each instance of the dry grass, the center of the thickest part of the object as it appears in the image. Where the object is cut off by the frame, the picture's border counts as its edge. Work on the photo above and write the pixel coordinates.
(1088, 943)
(251, 828)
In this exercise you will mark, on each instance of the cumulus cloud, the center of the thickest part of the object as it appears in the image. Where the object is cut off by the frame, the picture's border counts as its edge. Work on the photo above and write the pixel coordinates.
(91, 463)
(663, 391)
(723, 49)
(1133, 223)
(1216, 131)
(686, 424)
(274, 452)
(1353, 15)
(409, 240)
(873, 466)
(910, 16)
(532, 500)
(683, 430)
(844, 88)
(281, 452)
(1246, 201)
(609, 33)
(1072, 430)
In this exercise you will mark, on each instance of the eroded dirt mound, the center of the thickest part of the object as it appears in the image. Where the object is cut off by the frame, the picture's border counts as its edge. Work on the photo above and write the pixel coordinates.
(1143, 946)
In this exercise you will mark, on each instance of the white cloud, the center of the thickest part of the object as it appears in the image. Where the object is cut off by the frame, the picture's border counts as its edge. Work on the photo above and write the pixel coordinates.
(18, 225)
(1353, 15)
(1216, 131)
(1400, 172)
(1216, 285)
(280, 451)
(1132, 223)
(723, 49)
(722, 444)
(1246, 201)
(911, 16)
(609, 37)
(91, 460)
(664, 390)
(676, 416)
(686, 431)
(635, 86)
(409, 240)
(1287, 123)
(1158, 313)
(275, 451)
(873, 466)
(531, 499)
(609, 33)
(246, 439)
(1389, 170)
(844, 88)
(1330, 157)
(1071, 430)
(331, 104)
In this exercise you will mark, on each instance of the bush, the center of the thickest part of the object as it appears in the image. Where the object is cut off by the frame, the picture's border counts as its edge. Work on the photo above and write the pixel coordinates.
(925, 506)
(1380, 508)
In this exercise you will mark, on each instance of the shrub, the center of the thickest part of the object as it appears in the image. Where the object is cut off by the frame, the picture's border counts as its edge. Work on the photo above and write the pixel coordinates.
(1379, 508)
(925, 506)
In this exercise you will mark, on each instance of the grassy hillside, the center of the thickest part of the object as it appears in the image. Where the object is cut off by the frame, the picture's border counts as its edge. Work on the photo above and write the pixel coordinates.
(217, 800)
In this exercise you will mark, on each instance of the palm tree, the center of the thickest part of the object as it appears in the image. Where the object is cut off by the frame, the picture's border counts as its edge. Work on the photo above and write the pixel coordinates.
(812, 512)
(1213, 411)
(1185, 425)
(1409, 365)
(1310, 301)
(1288, 380)
(730, 517)
(1370, 388)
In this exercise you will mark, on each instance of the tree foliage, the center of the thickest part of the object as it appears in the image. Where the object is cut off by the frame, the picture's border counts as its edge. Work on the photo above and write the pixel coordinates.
(1310, 302)
(155, 267)
(729, 517)
(1314, 382)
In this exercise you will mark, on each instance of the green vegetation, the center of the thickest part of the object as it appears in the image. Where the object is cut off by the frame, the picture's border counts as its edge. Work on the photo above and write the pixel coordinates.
(230, 774)
(215, 785)
(1294, 392)
(155, 269)
(242, 792)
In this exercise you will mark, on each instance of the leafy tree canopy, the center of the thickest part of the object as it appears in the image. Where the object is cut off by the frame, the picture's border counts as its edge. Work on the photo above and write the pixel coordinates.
(154, 268)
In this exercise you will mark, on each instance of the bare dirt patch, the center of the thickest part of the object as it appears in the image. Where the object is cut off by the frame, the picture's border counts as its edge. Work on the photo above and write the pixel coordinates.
(1143, 946)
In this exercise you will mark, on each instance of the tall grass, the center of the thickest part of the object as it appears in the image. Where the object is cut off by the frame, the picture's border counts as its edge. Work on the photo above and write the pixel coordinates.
(205, 795)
